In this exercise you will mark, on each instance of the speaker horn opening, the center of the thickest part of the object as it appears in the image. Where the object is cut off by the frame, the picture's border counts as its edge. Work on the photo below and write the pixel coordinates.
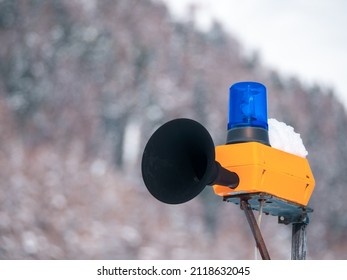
(179, 161)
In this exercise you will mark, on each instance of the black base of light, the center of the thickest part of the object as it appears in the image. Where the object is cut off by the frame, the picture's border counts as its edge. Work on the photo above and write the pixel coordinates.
(248, 134)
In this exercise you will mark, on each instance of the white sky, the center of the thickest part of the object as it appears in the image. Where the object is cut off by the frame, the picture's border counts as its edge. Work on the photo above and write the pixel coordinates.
(304, 38)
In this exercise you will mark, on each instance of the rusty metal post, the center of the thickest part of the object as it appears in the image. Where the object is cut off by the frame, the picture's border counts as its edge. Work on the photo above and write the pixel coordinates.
(255, 229)
(299, 241)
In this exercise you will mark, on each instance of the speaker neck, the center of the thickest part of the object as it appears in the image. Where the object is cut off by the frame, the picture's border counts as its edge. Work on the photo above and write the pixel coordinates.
(221, 176)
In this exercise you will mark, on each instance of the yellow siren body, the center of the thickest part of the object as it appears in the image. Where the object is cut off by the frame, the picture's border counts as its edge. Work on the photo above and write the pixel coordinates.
(282, 180)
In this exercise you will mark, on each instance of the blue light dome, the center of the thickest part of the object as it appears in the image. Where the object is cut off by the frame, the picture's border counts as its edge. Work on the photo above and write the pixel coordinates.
(247, 105)
(247, 113)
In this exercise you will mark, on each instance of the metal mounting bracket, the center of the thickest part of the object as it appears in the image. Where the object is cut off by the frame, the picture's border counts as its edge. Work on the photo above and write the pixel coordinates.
(246, 207)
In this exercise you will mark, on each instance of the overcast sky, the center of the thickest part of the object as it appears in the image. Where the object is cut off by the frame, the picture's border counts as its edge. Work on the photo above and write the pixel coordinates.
(305, 38)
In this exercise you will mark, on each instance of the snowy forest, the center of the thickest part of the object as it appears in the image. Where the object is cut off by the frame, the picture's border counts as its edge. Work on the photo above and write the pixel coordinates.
(84, 84)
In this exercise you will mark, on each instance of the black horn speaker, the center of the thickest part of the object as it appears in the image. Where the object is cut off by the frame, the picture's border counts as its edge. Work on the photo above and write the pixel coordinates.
(179, 161)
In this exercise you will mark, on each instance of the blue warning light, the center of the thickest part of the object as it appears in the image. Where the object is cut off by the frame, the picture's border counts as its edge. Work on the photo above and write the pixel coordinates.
(247, 105)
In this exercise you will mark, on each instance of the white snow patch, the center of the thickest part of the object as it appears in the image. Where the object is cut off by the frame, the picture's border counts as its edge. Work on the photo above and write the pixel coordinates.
(131, 143)
(283, 137)
(30, 242)
(98, 167)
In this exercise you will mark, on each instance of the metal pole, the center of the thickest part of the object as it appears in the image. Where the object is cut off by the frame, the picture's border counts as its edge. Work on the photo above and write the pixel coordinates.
(299, 241)
(255, 229)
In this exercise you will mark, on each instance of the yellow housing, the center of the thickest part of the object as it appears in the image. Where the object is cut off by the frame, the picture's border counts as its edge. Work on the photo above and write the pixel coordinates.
(266, 172)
